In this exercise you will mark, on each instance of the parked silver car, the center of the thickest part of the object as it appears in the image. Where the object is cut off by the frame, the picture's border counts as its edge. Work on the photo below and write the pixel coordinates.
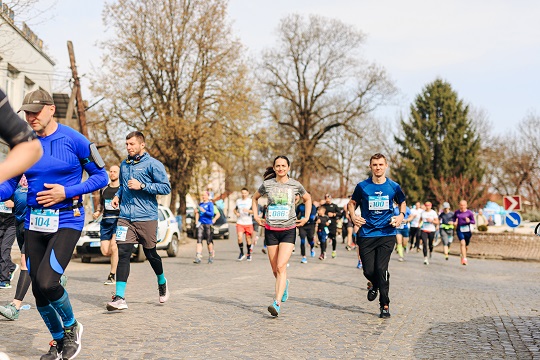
(88, 246)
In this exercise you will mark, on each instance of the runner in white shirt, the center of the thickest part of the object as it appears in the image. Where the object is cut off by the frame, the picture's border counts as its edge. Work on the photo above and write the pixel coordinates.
(244, 223)
(429, 221)
(414, 233)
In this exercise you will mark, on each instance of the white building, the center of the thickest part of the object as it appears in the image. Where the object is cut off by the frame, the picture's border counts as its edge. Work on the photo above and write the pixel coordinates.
(24, 66)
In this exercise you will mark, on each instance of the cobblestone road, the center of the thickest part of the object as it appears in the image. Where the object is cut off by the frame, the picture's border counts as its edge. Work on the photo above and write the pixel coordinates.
(487, 310)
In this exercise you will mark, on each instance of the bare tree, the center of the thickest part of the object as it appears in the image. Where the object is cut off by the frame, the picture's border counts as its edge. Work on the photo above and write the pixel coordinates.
(174, 72)
(457, 188)
(349, 154)
(513, 161)
(316, 81)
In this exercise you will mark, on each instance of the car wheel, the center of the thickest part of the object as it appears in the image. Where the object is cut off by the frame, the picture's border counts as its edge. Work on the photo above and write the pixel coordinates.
(226, 237)
(86, 259)
(172, 250)
(140, 256)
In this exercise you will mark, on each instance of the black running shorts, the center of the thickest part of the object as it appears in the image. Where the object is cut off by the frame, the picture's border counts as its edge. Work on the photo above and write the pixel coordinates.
(272, 237)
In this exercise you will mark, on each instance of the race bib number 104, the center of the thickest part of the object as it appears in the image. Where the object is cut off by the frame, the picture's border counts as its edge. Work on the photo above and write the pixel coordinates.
(44, 220)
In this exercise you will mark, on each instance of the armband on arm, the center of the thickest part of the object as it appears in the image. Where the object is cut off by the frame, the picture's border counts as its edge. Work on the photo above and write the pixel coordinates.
(94, 157)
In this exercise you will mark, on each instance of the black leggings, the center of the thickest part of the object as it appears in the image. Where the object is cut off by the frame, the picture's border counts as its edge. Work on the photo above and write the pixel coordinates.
(375, 253)
(124, 254)
(414, 234)
(204, 232)
(306, 231)
(332, 236)
(48, 255)
(425, 237)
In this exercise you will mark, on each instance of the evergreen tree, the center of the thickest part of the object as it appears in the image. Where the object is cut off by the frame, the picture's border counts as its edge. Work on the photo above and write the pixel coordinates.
(437, 142)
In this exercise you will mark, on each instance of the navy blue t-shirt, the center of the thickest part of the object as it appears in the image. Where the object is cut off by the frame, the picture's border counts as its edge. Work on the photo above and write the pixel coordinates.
(376, 204)
(301, 213)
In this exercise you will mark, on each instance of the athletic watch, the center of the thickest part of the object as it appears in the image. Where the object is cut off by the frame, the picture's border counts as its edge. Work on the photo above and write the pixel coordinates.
(143, 186)
(401, 212)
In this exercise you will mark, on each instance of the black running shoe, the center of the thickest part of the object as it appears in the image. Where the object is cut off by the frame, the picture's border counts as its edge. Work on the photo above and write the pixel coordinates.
(72, 341)
(55, 351)
(372, 293)
(385, 312)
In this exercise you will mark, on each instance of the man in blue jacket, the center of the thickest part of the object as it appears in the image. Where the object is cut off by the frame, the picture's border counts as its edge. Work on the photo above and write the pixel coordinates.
(141, 178)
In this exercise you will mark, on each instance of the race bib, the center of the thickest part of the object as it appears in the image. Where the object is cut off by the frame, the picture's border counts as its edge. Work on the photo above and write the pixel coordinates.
(108, 204)
(379, 202)
(465, 228)
(121, 233)
(4, 209)
(279, 212)
(44, 220)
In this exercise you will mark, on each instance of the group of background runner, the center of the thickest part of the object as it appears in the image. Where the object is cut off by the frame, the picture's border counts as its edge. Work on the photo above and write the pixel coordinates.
(425, 223)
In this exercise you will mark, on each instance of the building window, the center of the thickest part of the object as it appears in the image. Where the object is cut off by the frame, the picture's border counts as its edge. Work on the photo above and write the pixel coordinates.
(12, 74)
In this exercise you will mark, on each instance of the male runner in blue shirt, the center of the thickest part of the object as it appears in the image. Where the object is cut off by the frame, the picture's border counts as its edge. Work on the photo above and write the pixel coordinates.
(377, 235)
(55, 216)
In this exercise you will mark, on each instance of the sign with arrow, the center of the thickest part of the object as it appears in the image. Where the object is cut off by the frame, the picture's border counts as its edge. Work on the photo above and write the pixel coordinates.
(512, 203)
(513, 219)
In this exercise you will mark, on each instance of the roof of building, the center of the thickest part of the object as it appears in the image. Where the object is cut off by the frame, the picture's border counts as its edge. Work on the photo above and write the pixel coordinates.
(61, 102)
(11, 23)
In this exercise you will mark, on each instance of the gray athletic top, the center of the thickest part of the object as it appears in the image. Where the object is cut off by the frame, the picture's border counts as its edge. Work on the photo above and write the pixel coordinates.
(281, 212)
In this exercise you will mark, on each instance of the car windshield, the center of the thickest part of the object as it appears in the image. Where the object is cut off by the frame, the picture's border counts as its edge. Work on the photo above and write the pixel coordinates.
(161, 217)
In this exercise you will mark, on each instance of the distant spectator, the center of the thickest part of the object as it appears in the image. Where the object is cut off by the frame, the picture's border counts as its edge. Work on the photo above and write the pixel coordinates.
(490, 221)
(481, 218)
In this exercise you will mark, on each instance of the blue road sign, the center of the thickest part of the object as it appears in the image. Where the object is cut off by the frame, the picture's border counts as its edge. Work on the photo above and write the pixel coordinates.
(513, 219)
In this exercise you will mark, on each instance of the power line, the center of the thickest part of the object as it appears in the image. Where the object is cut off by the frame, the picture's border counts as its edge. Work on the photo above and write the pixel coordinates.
(38, 72)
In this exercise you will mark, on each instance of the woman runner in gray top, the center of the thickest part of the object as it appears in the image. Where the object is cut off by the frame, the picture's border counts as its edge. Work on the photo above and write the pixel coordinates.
(280, 223)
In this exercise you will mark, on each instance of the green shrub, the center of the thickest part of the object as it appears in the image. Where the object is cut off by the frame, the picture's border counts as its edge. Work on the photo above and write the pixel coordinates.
(482, 228)
(533, 216)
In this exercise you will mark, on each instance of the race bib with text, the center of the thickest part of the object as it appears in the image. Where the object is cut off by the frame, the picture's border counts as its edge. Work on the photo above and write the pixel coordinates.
(4, 209)
(121, 233)
(44, 220)
(379, 202)
(279, 212)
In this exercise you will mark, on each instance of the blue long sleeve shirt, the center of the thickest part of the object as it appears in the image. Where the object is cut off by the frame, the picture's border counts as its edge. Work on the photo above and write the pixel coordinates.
(19, 198)
(141, 205)
(63, 153)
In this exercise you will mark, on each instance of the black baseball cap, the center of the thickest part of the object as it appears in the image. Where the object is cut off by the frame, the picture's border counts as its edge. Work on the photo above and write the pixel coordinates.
(34, 101)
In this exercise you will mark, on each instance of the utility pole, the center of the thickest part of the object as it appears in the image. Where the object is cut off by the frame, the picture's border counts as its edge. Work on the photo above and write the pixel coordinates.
(80, 107)
(77, 88)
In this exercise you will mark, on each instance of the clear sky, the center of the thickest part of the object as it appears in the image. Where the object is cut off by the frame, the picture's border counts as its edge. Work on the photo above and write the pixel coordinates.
(488, 50)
